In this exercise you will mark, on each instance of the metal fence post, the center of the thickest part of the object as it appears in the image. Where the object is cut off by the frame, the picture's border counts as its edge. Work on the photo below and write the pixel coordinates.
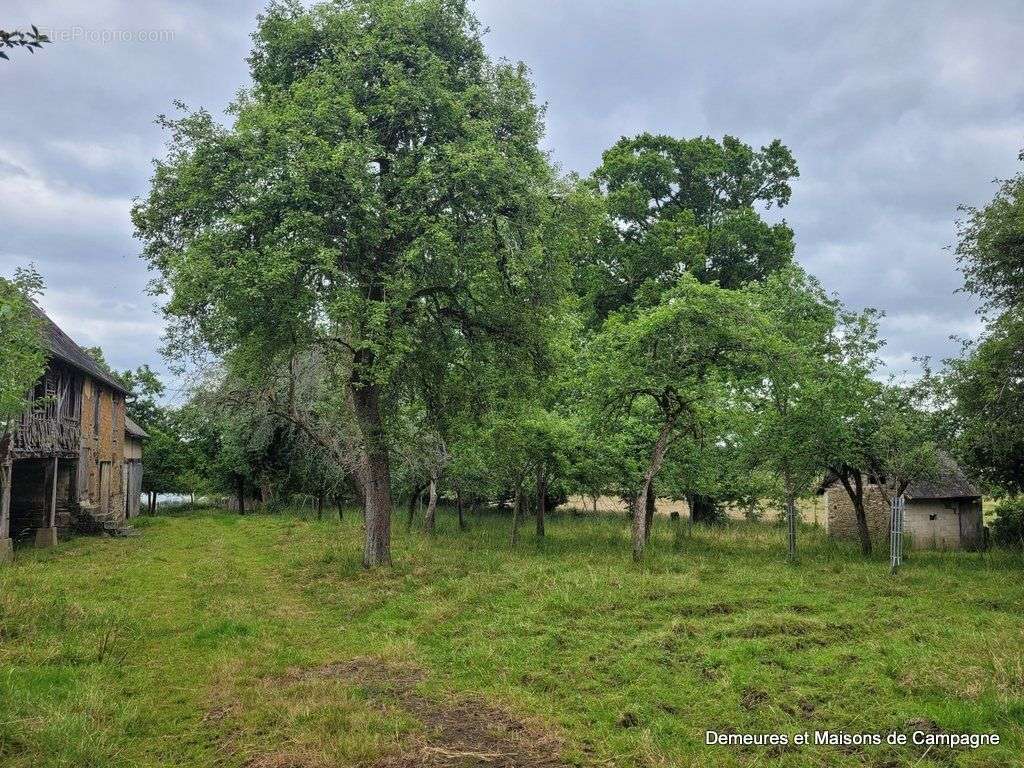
(896, 533)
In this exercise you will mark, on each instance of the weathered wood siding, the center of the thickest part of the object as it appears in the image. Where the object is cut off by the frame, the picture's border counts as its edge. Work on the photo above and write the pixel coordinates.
(50, 426)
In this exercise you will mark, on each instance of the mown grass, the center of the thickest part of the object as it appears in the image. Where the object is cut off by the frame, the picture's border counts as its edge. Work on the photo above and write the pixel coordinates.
(172, 649)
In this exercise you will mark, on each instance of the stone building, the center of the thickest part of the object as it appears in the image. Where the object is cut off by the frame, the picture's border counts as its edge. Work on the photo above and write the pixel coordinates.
(65, 467)
(941, 513)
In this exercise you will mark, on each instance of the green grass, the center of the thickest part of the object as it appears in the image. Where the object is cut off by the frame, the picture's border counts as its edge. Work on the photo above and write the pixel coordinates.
(168, 649)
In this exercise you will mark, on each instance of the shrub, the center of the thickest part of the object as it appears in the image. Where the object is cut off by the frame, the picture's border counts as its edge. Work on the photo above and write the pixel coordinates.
(1008, 528)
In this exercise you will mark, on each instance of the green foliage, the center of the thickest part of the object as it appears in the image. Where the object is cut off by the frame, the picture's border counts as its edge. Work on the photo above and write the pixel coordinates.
(987, 382)
(991, 246)
(22, 356)
(1008, 527)
(987, 387)
(381, 182)
(785, 414)
(143, 404)
(379, 199)
(17, 38)
(686, 206)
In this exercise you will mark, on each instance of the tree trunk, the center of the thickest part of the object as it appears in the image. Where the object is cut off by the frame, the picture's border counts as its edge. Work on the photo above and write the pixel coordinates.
(241, 495)
(703, 509)
(855, 491)
(791, 527)
(413, 499)
(542, 491)
(517, 501)
(320, 505)
(640, 517)
(862, 526)
(462, 513)
(649, 510)
(430, 519)
(376, 465)
(337, 503)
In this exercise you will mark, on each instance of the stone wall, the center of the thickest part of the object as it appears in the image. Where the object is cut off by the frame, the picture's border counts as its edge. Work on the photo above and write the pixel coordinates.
(842, 519)
(927, 523)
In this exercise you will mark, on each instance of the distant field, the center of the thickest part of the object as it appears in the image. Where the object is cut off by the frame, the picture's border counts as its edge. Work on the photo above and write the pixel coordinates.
(218, 640)
(813, 511)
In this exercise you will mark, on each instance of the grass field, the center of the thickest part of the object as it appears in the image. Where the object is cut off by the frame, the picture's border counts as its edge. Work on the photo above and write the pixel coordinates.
(218, 640)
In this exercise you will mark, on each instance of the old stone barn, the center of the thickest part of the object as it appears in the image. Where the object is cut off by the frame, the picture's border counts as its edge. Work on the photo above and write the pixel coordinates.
(940, 513)
(67, 470)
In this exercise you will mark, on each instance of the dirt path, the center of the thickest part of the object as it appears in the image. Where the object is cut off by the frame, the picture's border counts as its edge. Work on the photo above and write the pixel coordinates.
(463, 732)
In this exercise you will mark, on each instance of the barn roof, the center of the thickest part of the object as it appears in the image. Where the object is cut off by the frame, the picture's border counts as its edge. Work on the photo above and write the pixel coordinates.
(950, 482)
(133, 429)
(61, 346)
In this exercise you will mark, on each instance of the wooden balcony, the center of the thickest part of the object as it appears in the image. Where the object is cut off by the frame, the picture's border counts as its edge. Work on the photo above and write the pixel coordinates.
(40, 435)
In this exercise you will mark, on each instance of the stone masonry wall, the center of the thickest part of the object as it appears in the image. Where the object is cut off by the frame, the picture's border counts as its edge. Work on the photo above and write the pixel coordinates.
(842, 519)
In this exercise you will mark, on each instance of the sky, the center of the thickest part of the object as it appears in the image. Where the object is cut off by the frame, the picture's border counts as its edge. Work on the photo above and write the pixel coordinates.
(896, 110)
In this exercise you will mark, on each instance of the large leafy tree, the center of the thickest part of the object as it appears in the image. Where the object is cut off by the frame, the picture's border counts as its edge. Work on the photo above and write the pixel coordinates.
(671, 366)
(987, 383)
(381, 180)
(687, 205)
(787, 409)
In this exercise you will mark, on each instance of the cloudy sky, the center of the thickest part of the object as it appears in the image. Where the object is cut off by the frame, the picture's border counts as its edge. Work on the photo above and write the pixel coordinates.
(896, 110)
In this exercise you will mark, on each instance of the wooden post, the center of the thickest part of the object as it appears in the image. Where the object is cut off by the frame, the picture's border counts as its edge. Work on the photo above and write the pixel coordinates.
(53, 495)
(791, 527)
(47, 535)
(6, 546)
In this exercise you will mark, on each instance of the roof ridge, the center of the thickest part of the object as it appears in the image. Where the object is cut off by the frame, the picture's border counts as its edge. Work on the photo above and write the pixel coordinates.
(65, 348)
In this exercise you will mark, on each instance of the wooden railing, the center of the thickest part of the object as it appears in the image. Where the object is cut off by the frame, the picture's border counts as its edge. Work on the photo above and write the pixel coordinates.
(37, 434)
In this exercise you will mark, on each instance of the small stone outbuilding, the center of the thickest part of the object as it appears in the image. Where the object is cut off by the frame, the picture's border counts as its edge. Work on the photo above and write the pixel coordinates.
(940, 513)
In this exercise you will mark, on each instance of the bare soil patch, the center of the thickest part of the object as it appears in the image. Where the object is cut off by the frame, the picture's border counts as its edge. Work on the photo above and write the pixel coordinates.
(458, 732)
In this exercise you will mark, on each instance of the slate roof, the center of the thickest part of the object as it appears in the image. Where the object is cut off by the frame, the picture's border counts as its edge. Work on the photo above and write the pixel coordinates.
(61, 346)
(950, 482)
(133, 429)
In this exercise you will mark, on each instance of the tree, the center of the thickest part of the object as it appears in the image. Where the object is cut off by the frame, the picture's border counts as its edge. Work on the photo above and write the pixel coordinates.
(986, 386)
(687, 206)
(987, 382)
(880, 436)
(382, 179)
(990, 247)
(671, 365)
(22, 356)
(142, 405)
(787, 409)
(17, 38)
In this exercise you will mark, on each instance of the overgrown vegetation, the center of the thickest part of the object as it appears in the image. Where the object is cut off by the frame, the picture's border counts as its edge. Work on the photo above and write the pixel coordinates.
(202, 643)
